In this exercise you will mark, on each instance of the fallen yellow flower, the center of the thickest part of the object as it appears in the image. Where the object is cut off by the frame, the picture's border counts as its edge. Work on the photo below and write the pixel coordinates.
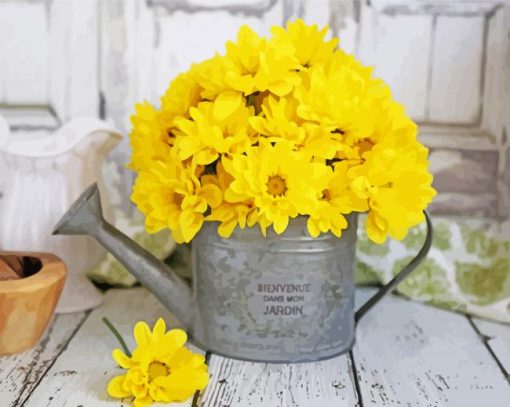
(161, 368)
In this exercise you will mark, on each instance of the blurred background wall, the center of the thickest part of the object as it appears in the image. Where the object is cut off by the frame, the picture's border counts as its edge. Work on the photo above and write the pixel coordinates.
(447, 61)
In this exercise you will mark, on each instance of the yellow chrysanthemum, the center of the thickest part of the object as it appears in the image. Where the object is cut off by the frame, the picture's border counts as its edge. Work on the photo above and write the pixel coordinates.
(341, 100)
(216, 127)
(230, 214)
(279, 121)
(161, 368)
(183, 93)
(210, 76)
(171, 196)
(150, 139)
(387, 124)
(397, 184)
(255, 65)
(336, 200)
(307, 41)
(279, 181)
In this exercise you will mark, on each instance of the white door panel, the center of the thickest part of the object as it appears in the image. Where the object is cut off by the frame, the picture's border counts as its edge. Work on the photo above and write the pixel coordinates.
(23, 53)
(457, 59)
(402, 57)
(48, 60)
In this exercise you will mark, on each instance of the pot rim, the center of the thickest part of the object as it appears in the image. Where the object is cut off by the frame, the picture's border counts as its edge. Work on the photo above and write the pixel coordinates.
(52, 271)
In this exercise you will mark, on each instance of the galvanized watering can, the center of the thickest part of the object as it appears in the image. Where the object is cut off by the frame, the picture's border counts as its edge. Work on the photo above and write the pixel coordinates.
(283, 298)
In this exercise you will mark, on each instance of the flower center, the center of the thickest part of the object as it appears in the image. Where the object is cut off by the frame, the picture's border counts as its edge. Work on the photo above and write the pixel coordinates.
(276, 186)
(178, 199)
(157, 369)
(326, 195)
(364, 146)
(171, 137)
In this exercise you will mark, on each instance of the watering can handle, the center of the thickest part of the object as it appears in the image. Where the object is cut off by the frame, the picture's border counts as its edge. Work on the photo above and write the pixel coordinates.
(408, 269)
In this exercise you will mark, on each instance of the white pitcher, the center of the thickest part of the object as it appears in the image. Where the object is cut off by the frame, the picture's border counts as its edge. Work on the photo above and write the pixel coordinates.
(42, 176)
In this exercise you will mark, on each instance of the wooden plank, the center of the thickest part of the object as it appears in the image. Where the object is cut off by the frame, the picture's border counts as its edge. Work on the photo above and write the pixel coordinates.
(23, 52)
(328, 383)
(457, 138)
(246, 7)
(83, 75)
(481, 205)
(456, 69)
(20, 374)
(118, 60)
(461, 171)
(497, 338)
(141, 33)
(366, 45)
(496, 98)
(433, 7)
(80, 375)
(317, 12)
(403, 60)
(411, 354)
(344, 24)
(73, 56)
(29, 117)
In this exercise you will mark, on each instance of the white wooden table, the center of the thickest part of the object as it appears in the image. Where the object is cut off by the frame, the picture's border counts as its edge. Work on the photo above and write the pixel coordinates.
(406, 354)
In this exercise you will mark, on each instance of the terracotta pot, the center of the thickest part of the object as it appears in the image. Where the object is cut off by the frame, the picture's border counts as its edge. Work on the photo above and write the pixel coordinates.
(27, 301)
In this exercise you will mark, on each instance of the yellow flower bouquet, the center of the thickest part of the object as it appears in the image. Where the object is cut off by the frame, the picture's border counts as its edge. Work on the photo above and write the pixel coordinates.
(277, 128)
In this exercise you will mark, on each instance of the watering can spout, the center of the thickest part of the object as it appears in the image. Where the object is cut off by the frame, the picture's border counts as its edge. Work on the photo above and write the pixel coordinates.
(85, 218)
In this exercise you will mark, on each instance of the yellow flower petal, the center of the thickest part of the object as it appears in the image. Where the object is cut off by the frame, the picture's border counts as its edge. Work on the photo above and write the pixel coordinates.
(142, 401)
(159, 328)
(135, 376)
(313, 230)
(190, 223)
(227, 103)
(225, 229)
(178, 336)
(374, 233)
(212, 194)
(158, 393)
(139, 390)
(121, 358)
(115, 388)
(142, 333)
(280, 224)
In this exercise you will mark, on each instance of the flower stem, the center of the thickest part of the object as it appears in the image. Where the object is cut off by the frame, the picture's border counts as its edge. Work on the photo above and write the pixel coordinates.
(117, 335)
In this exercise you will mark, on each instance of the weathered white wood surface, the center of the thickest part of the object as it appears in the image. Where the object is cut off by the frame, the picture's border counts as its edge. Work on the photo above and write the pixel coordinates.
(407, 354)
(73, 58)
(20, 374)
(328, 383)
(24, 56)
(413, 52)
(80, 375)
(497, 338)
(410, 354)
(456, 70)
